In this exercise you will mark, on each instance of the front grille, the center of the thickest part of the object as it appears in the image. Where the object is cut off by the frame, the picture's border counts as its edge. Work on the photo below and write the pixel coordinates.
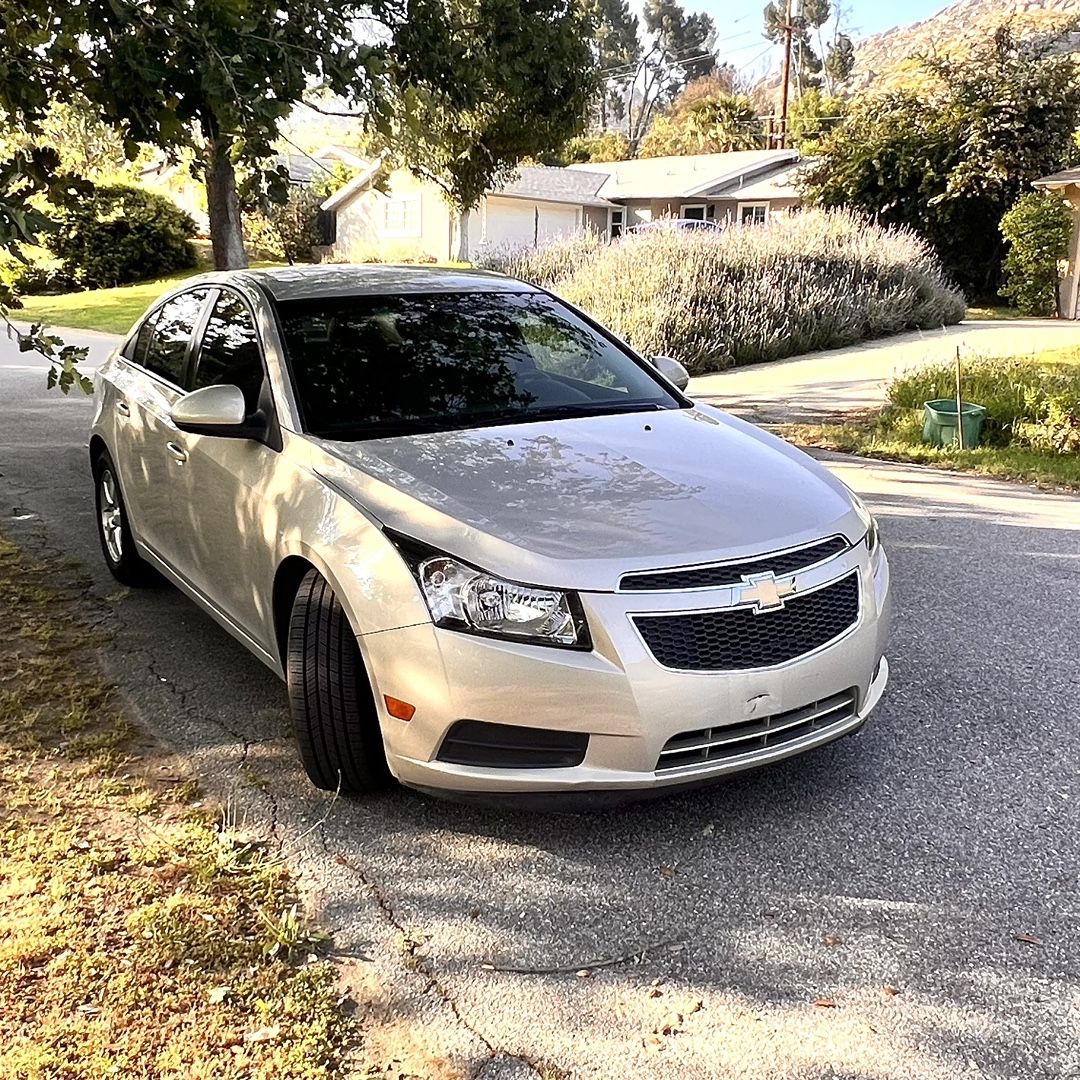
(741, 638)
(718, 744)
(705, 577)
(507, 746)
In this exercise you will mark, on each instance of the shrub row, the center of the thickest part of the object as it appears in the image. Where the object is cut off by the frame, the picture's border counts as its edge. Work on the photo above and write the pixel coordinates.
(745, 293)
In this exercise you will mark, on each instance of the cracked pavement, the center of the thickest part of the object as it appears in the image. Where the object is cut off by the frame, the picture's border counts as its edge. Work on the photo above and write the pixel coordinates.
(909, 857)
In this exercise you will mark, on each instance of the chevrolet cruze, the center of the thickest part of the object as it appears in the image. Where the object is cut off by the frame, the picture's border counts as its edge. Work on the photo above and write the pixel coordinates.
(489, 548)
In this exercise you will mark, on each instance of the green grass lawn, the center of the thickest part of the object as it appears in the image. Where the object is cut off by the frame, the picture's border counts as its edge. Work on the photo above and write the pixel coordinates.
(110, 310)
(984, 314)
(1030, 401)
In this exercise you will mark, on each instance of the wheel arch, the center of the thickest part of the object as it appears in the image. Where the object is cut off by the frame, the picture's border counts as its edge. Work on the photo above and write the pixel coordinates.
(97, 447)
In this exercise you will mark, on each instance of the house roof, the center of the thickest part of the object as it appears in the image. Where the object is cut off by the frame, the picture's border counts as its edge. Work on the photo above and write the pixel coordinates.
(777, 183)
(682, 176)
(1059, 180)
(548, 184)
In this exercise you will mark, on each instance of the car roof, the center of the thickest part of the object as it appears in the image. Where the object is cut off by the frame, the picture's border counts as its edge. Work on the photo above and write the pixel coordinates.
(311, 282)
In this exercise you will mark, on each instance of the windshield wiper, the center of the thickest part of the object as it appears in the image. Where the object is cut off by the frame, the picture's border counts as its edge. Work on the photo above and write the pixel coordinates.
(559, 412)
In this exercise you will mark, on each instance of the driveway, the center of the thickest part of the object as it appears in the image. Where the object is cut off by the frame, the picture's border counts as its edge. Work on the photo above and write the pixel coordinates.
(818, 386)
(903, 904)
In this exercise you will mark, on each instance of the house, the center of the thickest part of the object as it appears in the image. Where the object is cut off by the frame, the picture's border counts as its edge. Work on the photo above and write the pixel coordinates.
(744, 185)
(405, 217)
(1067, 185)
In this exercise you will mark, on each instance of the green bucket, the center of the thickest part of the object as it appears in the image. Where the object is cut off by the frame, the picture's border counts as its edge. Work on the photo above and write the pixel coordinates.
(939, 426)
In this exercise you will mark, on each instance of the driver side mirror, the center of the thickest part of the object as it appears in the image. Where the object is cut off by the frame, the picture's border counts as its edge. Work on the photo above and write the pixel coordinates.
(217, 410)
(672, 370)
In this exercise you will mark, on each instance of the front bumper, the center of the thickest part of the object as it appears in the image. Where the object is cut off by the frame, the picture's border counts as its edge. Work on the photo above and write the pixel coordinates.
(618, 694)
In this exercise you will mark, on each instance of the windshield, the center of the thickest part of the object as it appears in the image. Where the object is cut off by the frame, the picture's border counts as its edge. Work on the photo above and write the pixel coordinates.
(375, 366)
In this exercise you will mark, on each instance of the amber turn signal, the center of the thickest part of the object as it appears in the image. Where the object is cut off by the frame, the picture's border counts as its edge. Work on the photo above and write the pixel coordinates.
(402, 710)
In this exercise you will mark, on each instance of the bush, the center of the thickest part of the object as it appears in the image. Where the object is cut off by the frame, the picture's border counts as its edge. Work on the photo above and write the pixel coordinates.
(1038, 229)
(747, 293)
(118, 234)
(288, 230)
(1027, 405)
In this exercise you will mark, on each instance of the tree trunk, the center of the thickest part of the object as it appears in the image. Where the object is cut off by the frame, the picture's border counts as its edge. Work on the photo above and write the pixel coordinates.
(223, 208)
(463, 236)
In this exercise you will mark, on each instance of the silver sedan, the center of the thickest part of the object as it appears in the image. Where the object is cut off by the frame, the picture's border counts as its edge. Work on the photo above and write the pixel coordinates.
(490, 549)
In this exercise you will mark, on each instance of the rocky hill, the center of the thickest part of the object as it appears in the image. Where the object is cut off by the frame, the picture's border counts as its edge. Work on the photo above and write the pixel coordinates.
(890, 58)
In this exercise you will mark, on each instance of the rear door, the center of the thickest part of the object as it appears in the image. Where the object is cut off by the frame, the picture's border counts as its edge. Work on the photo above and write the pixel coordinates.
(225, 519)
(150, 456)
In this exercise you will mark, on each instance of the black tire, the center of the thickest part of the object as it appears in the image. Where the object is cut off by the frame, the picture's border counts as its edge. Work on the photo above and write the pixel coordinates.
(117, 544)
(333, 708)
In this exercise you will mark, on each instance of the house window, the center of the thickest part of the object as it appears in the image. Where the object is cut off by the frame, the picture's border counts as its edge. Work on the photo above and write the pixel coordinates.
(615, 222)
(692, 211)
(754, 213)
(401, 215)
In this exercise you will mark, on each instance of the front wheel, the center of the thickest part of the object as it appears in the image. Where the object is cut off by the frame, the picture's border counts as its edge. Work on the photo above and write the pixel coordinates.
(114, 529)
(333, 708)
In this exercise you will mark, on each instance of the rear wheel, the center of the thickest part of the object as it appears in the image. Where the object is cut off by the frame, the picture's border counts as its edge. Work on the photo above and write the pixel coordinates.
(114, 528)
(333, 707)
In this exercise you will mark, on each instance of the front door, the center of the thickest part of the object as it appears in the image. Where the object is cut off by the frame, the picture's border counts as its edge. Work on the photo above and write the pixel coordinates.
(225, 519)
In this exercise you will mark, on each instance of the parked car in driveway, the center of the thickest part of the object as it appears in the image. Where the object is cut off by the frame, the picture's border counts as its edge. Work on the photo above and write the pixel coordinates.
(669, 224)
(489, 548)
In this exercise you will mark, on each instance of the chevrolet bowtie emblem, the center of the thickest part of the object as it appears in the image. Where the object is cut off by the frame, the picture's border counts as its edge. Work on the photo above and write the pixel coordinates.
(765, 592)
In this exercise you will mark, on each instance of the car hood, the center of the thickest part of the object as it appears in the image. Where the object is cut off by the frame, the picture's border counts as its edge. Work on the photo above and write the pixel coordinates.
(579, 502)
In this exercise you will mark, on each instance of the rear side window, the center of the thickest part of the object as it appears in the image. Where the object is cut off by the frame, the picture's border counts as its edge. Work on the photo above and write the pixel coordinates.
(168, 342)
(230, 352)
(137, 352)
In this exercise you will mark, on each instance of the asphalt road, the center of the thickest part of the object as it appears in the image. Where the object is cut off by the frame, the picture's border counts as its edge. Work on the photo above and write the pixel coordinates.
(908, 857)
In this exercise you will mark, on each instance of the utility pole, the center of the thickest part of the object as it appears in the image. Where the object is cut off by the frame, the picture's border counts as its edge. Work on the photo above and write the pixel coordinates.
(789, 32)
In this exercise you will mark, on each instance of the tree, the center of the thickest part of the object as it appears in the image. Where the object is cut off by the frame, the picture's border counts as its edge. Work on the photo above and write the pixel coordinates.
(949, 163)
(616, 49)
(704, 123)
(811, 17)
(604, 146)
(1038, 230)
(839, 61)
(477, 99)
(680, 49)
(812, 117)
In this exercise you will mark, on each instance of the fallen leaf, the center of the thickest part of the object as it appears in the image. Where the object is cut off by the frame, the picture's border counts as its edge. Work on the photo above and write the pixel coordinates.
(266, 1034)
(1027, 939)
(584, 973)
(653, 1042)
(655, 992)
(825, 1003)
(890, 991)
(708, 830)
(695, 1006)
(831, 939)
(475, 913)
(667, 871)
(89, 1010)
(217, 994)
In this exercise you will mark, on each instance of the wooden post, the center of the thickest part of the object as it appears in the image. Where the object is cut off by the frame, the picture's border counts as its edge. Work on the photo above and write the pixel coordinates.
(786, 77)
(959, 404)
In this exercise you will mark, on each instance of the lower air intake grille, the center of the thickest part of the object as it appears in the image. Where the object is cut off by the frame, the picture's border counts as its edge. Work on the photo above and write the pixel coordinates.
(507, 746)
(717, 744)
(738, 639)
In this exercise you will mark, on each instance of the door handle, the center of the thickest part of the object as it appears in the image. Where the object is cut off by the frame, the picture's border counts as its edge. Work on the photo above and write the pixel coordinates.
(122, 408)
(177, 452)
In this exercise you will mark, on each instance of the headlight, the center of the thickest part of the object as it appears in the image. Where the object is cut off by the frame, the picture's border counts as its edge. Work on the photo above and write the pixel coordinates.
(872, 539)
(460, 597)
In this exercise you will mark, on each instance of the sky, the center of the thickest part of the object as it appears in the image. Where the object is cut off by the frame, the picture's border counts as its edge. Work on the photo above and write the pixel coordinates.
(738, 25)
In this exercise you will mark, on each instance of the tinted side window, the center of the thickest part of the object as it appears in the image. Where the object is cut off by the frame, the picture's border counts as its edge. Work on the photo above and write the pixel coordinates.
(137, 351)
(172, 334)
(230, 350)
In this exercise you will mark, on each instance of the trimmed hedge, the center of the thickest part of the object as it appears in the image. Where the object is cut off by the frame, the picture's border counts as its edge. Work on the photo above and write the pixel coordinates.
(118, 235)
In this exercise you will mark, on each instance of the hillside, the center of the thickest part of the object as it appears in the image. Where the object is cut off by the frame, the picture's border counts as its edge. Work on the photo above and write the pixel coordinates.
(888, 59)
